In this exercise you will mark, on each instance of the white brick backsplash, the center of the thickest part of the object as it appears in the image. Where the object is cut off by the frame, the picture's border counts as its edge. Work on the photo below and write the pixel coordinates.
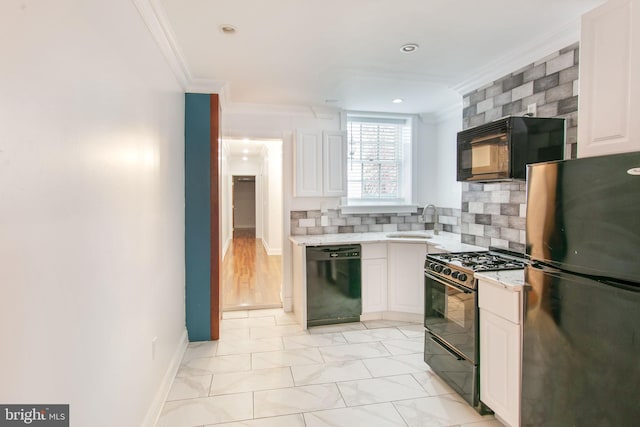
(466, 101)
(492, 208)
(354, 220)
(522, 91)
(493, 187)
(501, 243)
(389, 227)
(560, 63)
(510, 234)
(451, 220)
(485, 105)
(476, 229)
(476, 207)
(307, 222)
(523, 236)
(500, 196)
(523, 210)
(576, 87)
(546, 59)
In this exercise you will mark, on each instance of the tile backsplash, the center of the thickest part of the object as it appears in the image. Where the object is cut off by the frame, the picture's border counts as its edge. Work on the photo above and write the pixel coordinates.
(495, 213)
(310, 222)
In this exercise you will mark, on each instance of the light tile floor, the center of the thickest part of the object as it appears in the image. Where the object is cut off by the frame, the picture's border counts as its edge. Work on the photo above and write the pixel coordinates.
(265, 371)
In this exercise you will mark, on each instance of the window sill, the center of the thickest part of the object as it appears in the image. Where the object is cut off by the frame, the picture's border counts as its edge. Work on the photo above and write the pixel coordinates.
(378, 209)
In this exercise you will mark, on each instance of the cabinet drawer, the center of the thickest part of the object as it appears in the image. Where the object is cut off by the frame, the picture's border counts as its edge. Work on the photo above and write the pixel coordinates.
(374, 250)
(499, 301)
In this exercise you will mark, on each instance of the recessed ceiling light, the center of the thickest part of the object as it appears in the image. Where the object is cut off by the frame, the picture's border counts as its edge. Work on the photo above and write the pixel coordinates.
(246, 140)
(397, 100)
(245, 151)
(245, 158)
(409, 47)
(227, 29)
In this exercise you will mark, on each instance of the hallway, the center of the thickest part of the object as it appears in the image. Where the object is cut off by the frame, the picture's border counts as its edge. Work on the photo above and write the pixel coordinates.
(250, 277)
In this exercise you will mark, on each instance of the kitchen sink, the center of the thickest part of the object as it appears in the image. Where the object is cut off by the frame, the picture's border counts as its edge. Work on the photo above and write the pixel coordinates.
(410, 235)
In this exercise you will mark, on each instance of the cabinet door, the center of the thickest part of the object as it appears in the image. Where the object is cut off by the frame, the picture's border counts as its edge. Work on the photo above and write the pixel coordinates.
(406, 277)
(308, 166)
(335, 164)
(374, 285)
(609, 101)
(500, 366)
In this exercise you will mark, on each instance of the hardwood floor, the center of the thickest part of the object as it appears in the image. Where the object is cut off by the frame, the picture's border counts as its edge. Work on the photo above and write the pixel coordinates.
(250, 277)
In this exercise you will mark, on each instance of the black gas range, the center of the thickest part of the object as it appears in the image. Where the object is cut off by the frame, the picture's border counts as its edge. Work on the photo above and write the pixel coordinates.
(451, 315)
(459, 267)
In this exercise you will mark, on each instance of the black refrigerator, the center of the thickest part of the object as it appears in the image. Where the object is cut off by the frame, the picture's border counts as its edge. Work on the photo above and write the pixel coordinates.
(581, 329)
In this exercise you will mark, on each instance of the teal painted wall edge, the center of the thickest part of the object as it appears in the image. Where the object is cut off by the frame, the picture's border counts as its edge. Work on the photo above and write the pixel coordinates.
(197, 158)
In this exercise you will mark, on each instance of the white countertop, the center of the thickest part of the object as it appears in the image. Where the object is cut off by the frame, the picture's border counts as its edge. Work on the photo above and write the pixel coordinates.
(512, 280)
(449, 242)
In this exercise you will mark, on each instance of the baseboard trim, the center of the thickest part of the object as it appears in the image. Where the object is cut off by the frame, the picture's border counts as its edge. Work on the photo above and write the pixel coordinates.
(153, 414)
(271, 251)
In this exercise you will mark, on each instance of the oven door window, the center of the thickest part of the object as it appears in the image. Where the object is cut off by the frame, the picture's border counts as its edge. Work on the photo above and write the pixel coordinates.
(451, 314)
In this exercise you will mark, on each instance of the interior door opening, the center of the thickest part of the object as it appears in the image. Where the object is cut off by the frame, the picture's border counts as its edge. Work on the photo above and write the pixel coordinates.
(252, 230)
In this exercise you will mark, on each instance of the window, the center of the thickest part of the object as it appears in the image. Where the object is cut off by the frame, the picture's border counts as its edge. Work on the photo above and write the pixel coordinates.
(379, 159)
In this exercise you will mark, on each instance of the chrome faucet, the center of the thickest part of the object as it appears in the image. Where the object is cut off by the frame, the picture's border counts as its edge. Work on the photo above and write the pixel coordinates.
(435, 217)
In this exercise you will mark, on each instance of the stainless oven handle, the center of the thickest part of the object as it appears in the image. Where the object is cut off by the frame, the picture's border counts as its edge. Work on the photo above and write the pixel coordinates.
(444, 346)
(451, 285)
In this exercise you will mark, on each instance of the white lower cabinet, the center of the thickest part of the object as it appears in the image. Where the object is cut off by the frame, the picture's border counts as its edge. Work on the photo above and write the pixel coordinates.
(406, 277)
(500, 350)
(374, 277)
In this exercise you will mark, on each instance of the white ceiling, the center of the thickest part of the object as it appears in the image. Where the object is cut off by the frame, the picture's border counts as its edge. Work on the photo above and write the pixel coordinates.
(305, 52)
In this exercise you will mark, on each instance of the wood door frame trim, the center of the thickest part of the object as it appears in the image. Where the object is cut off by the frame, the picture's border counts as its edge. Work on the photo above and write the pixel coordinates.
(215, 301)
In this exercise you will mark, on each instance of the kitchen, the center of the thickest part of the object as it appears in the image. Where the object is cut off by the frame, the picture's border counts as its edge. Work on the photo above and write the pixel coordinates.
(141, 151)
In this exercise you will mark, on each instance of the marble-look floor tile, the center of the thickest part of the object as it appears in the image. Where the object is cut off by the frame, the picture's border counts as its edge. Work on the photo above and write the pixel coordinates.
(329, 372)
(248, 322)
(412, 330)
(249, 346)
(256, 379)
(215, 365)
(286, 319)
(276, 331)
(370, 335)
(234, 334)
(296, 400)
(207, 410)
(353, 351)
(190, 387)
(380, 415)
(296, 420)
(383, 323)
(487, 423)
(405, 346)
(396, 365)
(264, 312)
(432, 383)
(438, 411)
(379, 390)
(235, 314)
(340, 327)
(200, 349)
(316, 340)
(274, 359)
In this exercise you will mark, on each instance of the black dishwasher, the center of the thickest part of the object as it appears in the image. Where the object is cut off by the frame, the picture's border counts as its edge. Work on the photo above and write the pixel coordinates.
(333, 284)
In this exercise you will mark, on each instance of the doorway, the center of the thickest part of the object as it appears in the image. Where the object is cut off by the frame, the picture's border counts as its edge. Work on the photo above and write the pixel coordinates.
(252, 261)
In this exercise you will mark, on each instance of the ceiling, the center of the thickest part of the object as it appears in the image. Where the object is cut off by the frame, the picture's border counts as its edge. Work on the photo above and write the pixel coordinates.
(346, 53)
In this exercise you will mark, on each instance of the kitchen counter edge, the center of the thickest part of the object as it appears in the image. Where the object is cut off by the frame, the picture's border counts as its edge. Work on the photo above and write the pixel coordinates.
(512, 280)
(449, 242)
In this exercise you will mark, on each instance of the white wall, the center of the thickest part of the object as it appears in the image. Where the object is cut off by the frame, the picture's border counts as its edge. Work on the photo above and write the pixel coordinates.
(449, 190)
(273, 193)
(91, 211)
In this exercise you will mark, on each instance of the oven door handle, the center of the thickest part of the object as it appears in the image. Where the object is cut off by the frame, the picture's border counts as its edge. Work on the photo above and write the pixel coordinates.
(445, 347)
(451, 285)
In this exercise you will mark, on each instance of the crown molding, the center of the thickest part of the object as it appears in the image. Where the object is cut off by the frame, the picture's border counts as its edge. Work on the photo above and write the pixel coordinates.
(523, 56)
(155, 19)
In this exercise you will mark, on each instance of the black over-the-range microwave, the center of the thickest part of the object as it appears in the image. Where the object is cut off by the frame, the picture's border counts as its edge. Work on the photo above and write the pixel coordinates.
(500, 150)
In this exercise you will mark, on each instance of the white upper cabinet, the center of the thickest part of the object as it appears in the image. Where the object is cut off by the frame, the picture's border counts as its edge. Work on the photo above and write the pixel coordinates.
(609, 99)
(320, 164)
